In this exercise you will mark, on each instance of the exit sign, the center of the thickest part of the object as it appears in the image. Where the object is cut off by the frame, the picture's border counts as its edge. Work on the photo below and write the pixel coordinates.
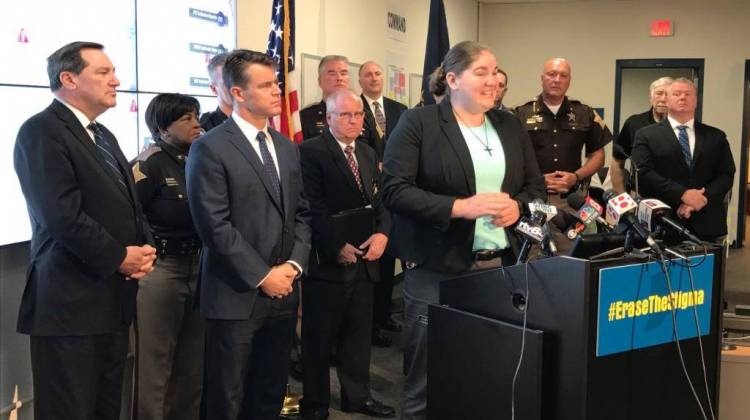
(662, 27)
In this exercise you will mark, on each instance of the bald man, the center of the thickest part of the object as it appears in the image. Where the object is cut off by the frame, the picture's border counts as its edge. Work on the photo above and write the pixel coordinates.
(559, 128)
(381, 117)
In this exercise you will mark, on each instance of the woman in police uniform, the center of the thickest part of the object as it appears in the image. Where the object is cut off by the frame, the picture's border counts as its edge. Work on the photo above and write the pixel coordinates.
(170, 334)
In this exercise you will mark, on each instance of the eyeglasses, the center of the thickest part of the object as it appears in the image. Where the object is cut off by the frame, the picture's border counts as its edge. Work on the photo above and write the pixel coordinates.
(349, 115)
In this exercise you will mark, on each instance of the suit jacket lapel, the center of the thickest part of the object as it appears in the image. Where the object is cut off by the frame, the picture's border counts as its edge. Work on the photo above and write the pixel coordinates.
(449, 125)
(390, 116)
(242, 144)
(130, 192)
(80, 133)
(365, 171)
(339, 159)
(285, 163)
(700, 142)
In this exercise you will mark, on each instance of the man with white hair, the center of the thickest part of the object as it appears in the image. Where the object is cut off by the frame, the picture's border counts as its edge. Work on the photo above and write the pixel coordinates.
(658, 111)
(340, 175)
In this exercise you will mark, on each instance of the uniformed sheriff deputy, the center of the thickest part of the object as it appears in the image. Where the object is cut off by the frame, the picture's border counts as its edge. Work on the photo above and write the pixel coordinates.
(333, 73)
(170, 333)
(559, 128)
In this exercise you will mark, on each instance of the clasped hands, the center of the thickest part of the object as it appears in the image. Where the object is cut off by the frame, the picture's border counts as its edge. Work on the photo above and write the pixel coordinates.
(279, 282)
(560, 181)
(138, 262)
(692, 200)
(499, 206)
(370, 250)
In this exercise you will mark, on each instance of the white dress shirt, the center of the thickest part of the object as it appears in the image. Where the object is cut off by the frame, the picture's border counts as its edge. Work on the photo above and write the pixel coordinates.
(343, 145)
(80, 116)
(251, 133)
(371, 101)
(690, 131)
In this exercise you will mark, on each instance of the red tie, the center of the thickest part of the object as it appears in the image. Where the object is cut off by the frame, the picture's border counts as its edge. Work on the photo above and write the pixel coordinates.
(353, 165)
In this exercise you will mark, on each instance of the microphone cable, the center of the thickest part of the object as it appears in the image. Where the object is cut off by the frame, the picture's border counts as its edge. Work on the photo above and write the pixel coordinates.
(700, 340)
(523, 347)
(675, 334)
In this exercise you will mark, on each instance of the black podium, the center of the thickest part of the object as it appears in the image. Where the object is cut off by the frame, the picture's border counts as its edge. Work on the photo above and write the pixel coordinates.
(598, 345)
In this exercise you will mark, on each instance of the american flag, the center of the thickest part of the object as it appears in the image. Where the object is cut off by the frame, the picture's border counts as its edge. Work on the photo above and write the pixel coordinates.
(281, 48)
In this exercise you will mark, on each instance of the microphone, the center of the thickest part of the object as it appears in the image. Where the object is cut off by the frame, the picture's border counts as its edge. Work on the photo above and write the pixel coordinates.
(587, 209)
(653, 212)
(621, 208)
(549, 211)
(538, 204)
(532, 231)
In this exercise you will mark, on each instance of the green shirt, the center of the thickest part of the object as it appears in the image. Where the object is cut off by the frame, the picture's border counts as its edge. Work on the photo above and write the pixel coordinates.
(489, 172)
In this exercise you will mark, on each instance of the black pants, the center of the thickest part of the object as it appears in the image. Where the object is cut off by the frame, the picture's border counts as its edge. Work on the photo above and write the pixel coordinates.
(337, 314)
(383, 294)
(247, 363)
(78, 377)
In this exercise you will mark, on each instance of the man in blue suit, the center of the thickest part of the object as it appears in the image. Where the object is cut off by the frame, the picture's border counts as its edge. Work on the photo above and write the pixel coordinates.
(246, 198)
(87, 243)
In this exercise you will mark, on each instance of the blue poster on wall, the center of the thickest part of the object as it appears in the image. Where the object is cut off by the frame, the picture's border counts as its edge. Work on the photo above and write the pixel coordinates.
(635, 305)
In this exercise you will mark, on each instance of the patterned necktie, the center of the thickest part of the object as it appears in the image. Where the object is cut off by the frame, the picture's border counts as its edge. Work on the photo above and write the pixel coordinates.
(379, 117)
(268, 164)
(107, 152)
(684, 144)
(353, 165)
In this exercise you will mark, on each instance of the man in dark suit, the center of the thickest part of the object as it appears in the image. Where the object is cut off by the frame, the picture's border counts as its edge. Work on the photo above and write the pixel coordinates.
(341, 174)
(213, 118)
(381, 113)
(686, 164)
(86, 244)
(245, 194)
(381, 117)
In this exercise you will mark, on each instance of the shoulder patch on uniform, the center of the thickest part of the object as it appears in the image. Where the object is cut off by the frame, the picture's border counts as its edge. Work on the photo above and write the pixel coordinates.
(138, 175)
(147, 153)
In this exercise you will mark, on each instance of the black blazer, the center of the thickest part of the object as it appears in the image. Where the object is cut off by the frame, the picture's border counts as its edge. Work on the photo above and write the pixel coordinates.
(82, 219)
(392, 111)
(330, 187)
(244, 229)
(427, 166)
(663, 173)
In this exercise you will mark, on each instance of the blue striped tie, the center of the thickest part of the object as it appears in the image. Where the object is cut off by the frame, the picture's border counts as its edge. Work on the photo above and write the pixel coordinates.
(268, 164)
(684, 144)
(107, 152)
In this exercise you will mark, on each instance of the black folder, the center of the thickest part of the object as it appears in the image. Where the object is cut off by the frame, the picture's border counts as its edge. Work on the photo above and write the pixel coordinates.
(354, 226)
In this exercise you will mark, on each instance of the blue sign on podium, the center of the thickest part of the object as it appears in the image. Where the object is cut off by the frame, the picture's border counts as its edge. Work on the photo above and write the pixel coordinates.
(635, 304)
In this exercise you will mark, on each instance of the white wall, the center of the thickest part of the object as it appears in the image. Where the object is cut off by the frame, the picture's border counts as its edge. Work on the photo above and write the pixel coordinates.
(356, 28)
(593, 34)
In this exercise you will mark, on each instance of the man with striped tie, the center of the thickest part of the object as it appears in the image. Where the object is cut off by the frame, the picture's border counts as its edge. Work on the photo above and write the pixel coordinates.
(686, 164)
(87, 249)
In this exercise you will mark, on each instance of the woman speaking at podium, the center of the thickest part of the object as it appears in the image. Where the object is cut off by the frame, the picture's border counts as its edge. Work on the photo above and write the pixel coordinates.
(456, 177)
